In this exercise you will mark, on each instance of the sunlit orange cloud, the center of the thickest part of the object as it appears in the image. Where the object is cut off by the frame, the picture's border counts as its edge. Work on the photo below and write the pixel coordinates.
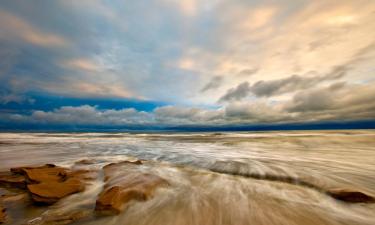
(257, 18)
(91, 89)
(81, 64)
(187, 7)
(12, 26)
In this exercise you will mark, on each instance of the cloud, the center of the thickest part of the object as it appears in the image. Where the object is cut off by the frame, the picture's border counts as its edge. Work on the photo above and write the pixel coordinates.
(295, 82)
(312, 100)
(13, 27)
(237, 93)
(337, 102)
(214, 83)
(244, 53)
(248, 72)
(187, 115)
(255, 112)
(6, 98)
(89, 115)
(292, 83)
(81, 64)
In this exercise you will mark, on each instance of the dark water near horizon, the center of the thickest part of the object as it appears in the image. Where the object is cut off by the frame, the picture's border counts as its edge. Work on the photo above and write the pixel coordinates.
(199, 196)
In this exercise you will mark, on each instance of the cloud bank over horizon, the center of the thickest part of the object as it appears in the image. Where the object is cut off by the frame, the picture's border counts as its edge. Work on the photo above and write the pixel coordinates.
(186, 62)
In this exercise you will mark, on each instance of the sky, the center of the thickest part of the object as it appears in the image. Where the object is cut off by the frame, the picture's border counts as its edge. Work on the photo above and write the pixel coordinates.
(167, 63)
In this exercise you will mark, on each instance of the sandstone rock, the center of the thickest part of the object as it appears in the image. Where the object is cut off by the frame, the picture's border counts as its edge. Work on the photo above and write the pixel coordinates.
(85, 162)
(119, 164)
(2, 214)
(352, 196)
(125, 183)
(47, 173)
(49, 183)
(62, 218)
(12, 180)
(52, 191)
(86, 175)
(111, 169)
(20, 170)
(113, 200)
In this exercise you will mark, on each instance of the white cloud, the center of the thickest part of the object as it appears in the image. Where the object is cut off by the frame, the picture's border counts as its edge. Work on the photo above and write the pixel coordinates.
(336, 102)
(89, 115)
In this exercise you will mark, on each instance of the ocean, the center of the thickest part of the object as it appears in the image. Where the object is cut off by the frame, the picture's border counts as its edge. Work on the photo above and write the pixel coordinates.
(228, 178)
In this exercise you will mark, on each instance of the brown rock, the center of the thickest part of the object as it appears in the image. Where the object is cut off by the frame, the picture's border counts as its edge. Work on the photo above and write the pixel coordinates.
(52, 191)
(2, 214)
(85, 162)
(352, 196)
(12, 180)
(112, 168)
(113, 200)
(45, 173)
(20, 170)
(49, 183)
(124, 183)
(62, 218)
(83, 174)
(119, 164)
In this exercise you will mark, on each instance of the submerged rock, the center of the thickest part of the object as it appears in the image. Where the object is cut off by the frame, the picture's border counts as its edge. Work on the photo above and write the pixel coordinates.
(85, 162)
(15, 198)
(12, 180)
(2, 214)
(351, 196)
(62, 218)
(123, 187)
(112, 168)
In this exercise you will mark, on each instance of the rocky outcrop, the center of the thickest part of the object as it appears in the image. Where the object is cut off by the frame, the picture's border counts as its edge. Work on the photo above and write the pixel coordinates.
(111, 169)
(52, 191)
(127, 185)
(85, 162)
(46, 173)
(351, 196)
(45, 184)
(49, 183)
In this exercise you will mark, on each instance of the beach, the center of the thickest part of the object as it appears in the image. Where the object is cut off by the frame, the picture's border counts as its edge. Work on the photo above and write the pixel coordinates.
(200, 178)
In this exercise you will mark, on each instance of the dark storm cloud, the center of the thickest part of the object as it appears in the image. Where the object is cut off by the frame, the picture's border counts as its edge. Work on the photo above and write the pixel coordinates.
(292, 83)
(338, 101)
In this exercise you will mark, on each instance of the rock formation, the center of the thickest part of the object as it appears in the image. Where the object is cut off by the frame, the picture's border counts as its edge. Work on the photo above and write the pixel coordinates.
(124, 184)
(351, 196)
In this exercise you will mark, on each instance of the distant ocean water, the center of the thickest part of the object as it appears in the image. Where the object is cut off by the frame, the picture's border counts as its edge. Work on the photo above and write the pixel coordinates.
(212, 174)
